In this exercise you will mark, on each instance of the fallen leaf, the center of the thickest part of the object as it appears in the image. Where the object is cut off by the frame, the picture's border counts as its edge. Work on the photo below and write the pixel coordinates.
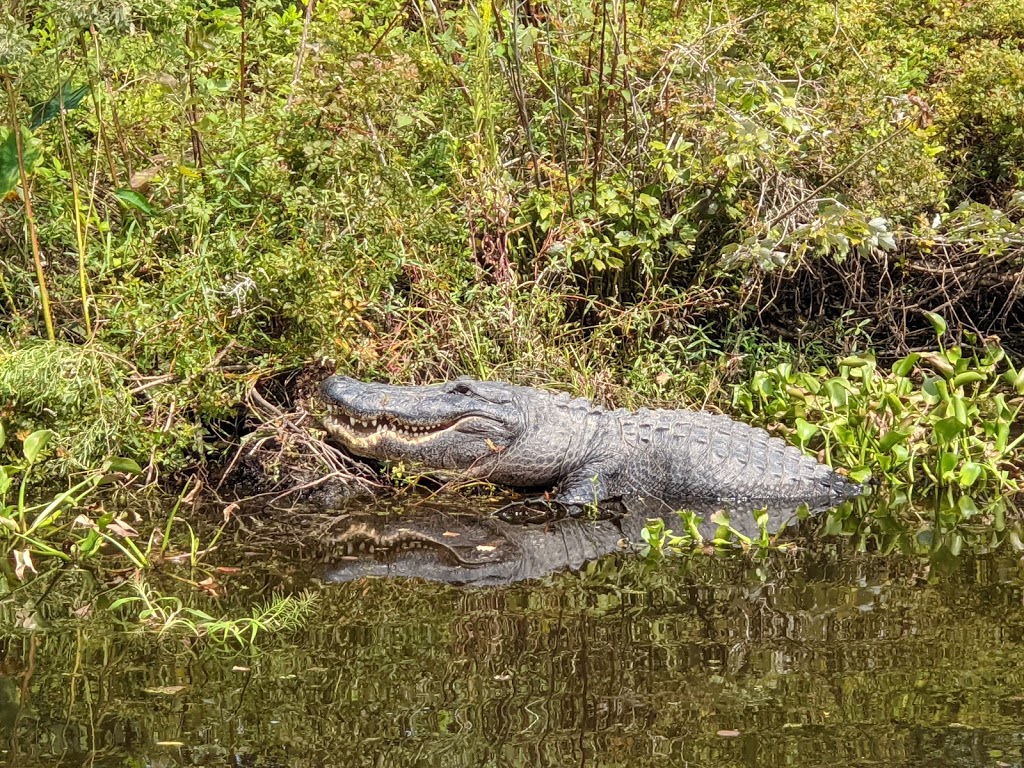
(210, 586)
(141, 179)
(166, 690)
(729, 733)
(23, 563)
(122, 529)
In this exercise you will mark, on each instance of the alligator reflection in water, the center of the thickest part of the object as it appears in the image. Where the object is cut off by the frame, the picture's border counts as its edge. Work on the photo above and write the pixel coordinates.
(471, 549)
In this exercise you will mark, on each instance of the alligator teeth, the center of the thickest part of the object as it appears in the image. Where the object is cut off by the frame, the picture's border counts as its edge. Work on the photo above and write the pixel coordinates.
(348, 548)
(352, 420)
(369, 548)
(374, 423)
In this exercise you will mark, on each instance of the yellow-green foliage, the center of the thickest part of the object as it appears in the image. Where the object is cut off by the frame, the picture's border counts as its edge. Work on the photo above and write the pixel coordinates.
(614, 194)
(77, 391)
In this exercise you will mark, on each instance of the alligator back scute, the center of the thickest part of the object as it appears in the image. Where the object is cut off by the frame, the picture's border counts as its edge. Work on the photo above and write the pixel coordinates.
(718, 456)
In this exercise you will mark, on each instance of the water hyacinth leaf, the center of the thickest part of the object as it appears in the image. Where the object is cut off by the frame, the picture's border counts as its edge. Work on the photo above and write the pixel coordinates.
(959, 409)
(947, 463)
(855, 361)
(894, 403)
(967, 506)
(10, 174)
(66, 95)
(968, 377)
(956, 543)
(1018, 382)
(936, 389)
(938, 323)
(906, 365)
(860, 474)
(837, 393)
(35, 443)
(805, 430)
(946, 430)
(892, 438)
(939, 362)
(969, 474)
(132, 199)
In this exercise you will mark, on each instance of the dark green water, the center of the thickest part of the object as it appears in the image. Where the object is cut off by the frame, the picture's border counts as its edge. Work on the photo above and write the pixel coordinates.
(823, 657)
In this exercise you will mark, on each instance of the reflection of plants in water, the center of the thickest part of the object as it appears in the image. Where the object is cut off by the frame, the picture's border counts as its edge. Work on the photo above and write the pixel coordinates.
(28, 527)
(897, 525)
(659, 537)
(167, 615)
(939, 421)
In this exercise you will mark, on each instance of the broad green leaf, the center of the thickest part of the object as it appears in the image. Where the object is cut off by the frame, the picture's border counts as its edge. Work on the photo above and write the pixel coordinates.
(35, 443)
(48, 110)
(120, 464)
(805, 430)
(132, 199)
(906, 365)
(1018, 382)
(10, 175)
(959, 409)
(969, 473)
(956, 543)
(894, 403)
(968, 377)
(892, 438)
(947, 463)
(837, 393)
(936, 389)
(937, 321)
(5, 485)
(860, 474)
(947, 429)
(855, 361)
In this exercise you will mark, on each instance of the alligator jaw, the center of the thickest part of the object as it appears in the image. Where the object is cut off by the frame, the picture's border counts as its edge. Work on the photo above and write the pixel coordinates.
(367, 431)
(365, 542)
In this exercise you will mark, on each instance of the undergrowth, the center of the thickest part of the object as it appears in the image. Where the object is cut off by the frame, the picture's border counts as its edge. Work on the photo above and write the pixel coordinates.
(654, 204)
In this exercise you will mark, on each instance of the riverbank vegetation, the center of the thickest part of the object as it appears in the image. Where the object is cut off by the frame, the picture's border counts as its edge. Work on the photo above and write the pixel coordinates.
(808, 215)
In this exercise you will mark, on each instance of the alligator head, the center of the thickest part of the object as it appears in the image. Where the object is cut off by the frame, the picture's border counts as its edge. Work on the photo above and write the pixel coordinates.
(463, 426)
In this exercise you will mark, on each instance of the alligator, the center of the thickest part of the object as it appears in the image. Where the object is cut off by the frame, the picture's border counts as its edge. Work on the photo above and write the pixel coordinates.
(581, 453)
(467, 548)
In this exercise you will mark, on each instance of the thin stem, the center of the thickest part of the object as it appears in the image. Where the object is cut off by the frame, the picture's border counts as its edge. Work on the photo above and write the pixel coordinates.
(30, 219)
(241, 65)
(301, 56)
(83, 284)
(100, 125)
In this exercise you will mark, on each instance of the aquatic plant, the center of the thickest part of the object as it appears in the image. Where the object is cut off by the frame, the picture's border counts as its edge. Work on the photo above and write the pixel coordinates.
(169, 616)
(29, 527)
(944, 422)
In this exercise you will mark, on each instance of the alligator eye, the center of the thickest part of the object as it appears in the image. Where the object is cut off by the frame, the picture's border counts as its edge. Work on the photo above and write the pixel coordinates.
(464, 388)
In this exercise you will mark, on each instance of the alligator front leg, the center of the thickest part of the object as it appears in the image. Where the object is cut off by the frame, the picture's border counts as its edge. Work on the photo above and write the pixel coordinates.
(585, 488)
(581, 494)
